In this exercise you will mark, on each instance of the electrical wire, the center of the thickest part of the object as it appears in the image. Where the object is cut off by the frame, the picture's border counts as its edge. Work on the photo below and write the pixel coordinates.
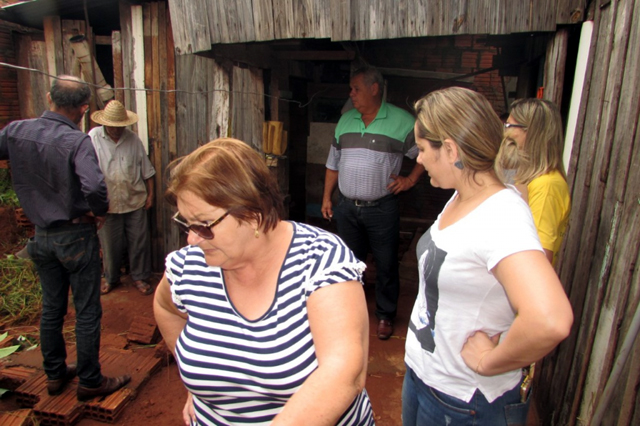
(168, 91)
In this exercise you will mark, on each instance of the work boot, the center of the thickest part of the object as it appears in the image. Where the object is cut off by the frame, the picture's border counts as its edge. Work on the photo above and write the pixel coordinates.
(109, 385)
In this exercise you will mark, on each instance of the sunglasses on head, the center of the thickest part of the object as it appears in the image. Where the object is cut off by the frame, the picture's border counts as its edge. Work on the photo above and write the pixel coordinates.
(202, 230)
(513, 125)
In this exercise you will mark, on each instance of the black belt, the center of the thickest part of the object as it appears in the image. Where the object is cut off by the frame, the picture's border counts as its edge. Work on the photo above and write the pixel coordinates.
(77, 220)
(363, 203)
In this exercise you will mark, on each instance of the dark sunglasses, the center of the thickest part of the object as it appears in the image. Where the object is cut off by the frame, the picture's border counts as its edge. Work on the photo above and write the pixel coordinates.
(201, 230)
(517, 126)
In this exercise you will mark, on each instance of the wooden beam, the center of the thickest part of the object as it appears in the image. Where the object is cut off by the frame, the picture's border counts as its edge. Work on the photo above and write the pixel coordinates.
(24, 77)
(102, 40)
(138, 74)
(168, 104)
(315, 55)
(259, 56)
(53, 45)
(328, 90)
(554, 66)
(118, 79)
(18, 28)
(424, 74)
(126, 43)
(148, 77)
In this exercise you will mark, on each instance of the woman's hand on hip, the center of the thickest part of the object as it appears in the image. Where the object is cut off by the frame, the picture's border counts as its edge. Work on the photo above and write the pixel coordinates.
(476, 349)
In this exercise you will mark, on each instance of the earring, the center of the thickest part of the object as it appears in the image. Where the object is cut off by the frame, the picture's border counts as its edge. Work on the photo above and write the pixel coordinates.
(458, 164)
(256, 233)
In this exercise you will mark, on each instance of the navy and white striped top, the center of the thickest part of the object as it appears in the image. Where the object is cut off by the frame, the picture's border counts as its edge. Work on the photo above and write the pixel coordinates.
(241, 371)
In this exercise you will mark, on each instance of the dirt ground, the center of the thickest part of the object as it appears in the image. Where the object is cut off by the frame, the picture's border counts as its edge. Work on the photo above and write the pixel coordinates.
(160, 400)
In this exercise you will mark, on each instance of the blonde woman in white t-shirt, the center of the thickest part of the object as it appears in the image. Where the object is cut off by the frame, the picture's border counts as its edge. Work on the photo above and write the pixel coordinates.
(489, 302)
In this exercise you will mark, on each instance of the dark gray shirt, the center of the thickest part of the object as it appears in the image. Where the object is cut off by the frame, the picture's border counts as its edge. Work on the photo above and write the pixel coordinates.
(54, 169)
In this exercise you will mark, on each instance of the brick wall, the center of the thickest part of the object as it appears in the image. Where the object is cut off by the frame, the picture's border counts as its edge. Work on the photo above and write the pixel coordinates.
(463, 54)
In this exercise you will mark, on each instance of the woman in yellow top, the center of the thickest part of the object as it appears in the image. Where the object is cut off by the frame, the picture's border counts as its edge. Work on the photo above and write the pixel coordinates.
(532, 146)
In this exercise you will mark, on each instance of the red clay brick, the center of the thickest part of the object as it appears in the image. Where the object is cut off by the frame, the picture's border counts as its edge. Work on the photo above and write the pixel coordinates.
(464, 41)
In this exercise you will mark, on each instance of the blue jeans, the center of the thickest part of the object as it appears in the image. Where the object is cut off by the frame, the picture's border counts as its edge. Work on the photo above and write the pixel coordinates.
(377, 228)
(128, 231)
(423, 405)
(69, 256)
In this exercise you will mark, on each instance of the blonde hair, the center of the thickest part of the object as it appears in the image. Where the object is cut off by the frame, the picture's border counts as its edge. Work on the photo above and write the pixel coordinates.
(542, 150)
(229, 174)
(468, 119)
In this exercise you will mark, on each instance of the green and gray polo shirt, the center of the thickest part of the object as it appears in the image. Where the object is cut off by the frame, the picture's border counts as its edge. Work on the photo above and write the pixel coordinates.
(365, 157)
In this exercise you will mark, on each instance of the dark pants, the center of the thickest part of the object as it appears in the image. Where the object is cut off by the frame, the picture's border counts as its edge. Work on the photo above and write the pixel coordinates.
(69, 256)
(378, 228)
(128, 231)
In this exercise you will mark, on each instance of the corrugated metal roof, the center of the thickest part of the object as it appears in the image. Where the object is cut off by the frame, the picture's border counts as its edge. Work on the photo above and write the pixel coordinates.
(103, 14)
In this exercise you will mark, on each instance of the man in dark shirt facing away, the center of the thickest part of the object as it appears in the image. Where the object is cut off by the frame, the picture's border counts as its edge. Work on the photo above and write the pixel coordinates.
(60, 186)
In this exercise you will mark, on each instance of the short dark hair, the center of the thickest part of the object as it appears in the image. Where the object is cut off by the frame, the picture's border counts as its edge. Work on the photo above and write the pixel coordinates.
(68, 91)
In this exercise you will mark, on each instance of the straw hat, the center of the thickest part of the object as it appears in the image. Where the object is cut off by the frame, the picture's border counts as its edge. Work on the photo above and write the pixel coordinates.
(115, 115)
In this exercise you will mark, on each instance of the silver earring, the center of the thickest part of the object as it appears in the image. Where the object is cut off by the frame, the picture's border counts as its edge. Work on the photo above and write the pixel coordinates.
(458, 164)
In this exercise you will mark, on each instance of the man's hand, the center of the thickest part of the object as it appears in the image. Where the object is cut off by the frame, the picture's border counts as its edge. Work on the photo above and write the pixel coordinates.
(327, 209)
(149, 202)
(399, 184)
(100, 220)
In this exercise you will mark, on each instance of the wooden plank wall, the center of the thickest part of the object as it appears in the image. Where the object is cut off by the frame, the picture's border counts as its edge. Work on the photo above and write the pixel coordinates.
(554, 66)
(169, 237)
(247, 100)
(55, 56)
(9, 99)
(219, 102)
(200, 23)
(159, 95)
(599, 264)
(126, 46)
(33, 87)
(193, 34)
(49, 52)
(155, 71)
(188, 104)
(116, 54)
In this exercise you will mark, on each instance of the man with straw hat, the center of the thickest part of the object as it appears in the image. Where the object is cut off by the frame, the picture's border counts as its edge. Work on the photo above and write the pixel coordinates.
(129, 177)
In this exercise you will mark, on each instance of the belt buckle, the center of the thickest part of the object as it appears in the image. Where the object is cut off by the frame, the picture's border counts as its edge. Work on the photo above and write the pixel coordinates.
(360, 203)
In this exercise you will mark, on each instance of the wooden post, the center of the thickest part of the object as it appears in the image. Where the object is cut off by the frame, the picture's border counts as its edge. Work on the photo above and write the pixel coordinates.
(138, 73)
(118, 78)
(24, 77)
(169, 153)
(53, 43)
(554, 66)
(126, 43)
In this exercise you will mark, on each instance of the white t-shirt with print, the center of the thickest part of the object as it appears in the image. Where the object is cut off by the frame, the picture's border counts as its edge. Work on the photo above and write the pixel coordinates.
(459, 295)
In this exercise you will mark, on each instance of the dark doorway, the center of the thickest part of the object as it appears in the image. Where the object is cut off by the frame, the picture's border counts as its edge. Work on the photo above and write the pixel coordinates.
(298, 133)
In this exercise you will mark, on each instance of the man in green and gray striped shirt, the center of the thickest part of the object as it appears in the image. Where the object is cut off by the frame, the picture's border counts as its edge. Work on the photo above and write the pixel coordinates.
(364, 162)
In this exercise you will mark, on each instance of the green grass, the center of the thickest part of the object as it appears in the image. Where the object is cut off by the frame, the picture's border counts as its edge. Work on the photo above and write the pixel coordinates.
(8, 196)
(20, 293)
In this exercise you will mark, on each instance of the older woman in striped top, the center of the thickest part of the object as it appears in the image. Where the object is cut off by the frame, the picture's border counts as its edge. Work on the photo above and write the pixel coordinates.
(267, 318)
